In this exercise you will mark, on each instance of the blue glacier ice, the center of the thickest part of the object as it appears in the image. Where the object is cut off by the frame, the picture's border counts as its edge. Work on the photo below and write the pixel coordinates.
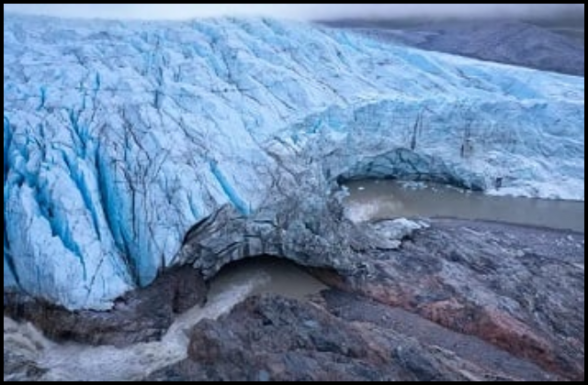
(120, 136)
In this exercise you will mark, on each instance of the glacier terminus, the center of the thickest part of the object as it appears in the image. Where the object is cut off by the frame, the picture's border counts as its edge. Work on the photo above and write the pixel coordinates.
(126, 141)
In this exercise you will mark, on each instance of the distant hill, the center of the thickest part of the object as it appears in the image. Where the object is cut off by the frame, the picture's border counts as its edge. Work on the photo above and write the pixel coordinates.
(546, 44)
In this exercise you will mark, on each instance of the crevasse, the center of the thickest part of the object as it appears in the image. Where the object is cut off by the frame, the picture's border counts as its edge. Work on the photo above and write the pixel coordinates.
(119, 137)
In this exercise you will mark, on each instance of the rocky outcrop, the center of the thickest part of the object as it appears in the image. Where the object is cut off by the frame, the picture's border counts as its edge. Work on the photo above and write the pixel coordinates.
(337, 337)
(518, 288)
(138, 316)
(457, 300)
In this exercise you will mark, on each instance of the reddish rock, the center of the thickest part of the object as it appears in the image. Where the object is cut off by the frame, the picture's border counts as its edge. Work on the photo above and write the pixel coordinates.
(518, 288)
(338, 337)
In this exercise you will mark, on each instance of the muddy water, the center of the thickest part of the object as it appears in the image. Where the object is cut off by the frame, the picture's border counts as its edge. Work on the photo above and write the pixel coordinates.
(280, 276)
(382, 199)
(235, 282)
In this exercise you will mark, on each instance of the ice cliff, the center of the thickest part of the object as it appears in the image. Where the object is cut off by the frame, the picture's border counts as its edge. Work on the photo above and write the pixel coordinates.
(120, 137)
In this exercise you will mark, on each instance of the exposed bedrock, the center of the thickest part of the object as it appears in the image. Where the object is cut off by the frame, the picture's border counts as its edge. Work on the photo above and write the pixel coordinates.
(519, 288)
(337, 336)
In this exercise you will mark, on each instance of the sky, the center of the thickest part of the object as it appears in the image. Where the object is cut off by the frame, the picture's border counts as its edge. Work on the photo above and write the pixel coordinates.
(290, 11)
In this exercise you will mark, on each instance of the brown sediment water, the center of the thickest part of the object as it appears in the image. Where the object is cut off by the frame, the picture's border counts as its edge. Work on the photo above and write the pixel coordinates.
(71, 361)
(384, 199)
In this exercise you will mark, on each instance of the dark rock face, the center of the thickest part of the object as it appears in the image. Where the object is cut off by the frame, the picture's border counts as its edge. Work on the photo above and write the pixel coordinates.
(518, 288)
(337, 337)
(139, 316)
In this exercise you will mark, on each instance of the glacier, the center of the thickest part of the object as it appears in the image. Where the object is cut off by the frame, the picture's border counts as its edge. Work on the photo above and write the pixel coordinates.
(121, 138)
